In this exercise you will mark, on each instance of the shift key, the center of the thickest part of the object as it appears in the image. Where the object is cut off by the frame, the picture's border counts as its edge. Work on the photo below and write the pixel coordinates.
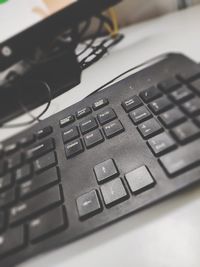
(30, 207)
(182, 159)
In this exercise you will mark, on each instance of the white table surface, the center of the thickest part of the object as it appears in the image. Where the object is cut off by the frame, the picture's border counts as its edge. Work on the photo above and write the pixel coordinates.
(167, 234)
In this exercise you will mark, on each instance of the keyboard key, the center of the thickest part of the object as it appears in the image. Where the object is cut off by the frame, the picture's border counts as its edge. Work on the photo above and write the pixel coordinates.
(14, 161)
(32, 206)
(93, 138)
(47, 161)
(140, 114)
(23, 173)
(74, 148)
(40, 149)
(47, 224)
(106, 170)
(27, 140)
(39, 183)
(7, 197)
(67, 120)
(106, 115)
(182, 159)
(5, 181)
(44, 132)
(70, 134)
(197, 120)
(160, 105)
(189, 75)
(88, 204)
(12, 240)
(1, 150)
(2, 220)
(169, 85)
(140, 180)
(182, 94)
(196, 86)
(88, 125)
(100, 103)
(161, 144)
(113, 192)
(149, 128)
(131, 103)
(186, 132)
(192, 107)
(150, 94)
(172, 117)
(9, 149)
(113, 128)
(2, 167)
(83, 112)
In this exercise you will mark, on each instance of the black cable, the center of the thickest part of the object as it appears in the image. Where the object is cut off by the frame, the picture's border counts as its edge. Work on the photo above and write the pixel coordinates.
(35, 118)
(92, 41)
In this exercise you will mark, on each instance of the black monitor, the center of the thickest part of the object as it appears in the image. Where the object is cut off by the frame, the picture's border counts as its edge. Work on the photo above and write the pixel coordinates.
(26, 24)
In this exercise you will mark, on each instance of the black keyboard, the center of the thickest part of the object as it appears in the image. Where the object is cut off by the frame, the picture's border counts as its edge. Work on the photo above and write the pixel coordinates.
(115, 152)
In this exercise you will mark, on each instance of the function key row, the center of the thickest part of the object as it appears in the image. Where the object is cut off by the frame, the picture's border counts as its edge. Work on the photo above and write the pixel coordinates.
(25, 141)
(84, 112)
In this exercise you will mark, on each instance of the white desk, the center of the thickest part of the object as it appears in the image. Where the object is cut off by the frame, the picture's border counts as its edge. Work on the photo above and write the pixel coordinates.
(167, 234)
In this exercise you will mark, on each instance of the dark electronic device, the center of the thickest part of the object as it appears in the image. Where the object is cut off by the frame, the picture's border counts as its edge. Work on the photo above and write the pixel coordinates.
(60, 69)
(106, 157)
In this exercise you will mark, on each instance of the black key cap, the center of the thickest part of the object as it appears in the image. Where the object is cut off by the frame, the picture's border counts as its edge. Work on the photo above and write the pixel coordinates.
(47, 161)
(49, 223)
(70, 134)
(197, 120)
(140, 180)
(88, 204)
(27, 140)
(93, 138)
(2, 167)
(9, 149)
(40, 149)
(44, 132)
(88, 125)
(160, 105)
(74, 148)
(2, 220)
(5, 181)
(14, 161)
(113, 192)
(182, 159)
(189, 75)
(169, 84)
(196, 86)
(83, 112)
(172, 117)
(106, 170)
(39, 183)
(182, 94)
(32, 206)
(150, 94)
(100, 103)
(7, 197)
(140, 114)
(106, 115)
(192, 107)
(161, 144)
(67, 120)
(186, 132)
(131, 103)
(23, 173)
(113, 128)
(12, 240)
(150, 128)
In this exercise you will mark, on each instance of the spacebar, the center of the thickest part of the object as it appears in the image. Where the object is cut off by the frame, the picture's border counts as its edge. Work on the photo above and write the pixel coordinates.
(182, 159)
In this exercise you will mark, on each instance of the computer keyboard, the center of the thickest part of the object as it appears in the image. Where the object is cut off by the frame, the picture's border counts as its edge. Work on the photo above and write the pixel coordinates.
(110, 155)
